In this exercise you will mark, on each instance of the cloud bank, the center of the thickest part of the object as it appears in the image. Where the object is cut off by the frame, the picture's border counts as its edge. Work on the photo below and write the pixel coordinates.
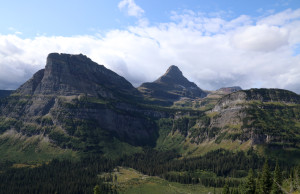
(211, 51)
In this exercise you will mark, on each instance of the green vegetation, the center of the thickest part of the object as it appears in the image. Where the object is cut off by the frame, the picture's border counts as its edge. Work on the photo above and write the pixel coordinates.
(131, 181)
(154, 172)
(277, 184)
(6, 123)
(275, 119)
(33, 150)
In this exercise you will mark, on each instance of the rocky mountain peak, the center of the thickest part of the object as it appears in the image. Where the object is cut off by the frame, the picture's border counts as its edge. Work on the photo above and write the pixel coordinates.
(172, 86)
(67, 74)
(174, 76)
(173, 71)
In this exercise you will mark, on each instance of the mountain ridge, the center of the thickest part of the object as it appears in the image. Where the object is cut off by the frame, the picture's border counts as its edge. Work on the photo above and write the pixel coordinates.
(79, 105)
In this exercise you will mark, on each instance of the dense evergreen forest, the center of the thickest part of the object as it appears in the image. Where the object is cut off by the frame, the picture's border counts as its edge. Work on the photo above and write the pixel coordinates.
(82, 176)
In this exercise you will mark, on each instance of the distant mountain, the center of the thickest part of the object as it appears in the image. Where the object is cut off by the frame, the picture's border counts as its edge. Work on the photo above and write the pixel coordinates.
(230, 89)
(171, 87)
(5, 93)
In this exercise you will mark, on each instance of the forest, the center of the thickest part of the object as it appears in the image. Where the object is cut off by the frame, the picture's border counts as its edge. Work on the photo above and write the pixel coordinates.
(238, 172)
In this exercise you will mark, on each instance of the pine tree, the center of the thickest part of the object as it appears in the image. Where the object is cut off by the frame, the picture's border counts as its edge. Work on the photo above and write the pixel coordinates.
(277, 180)
(249, 185)
(266, 179)
(226, 189)
(258, 189)
(294, 180)
(97, 189)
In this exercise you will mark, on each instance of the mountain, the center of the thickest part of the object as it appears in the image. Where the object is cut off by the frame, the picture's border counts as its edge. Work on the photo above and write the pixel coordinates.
(171, 87)
(68, 75)
(76, 104)
(5, 93)
(265, 119)
(263, 116)
(229, 89)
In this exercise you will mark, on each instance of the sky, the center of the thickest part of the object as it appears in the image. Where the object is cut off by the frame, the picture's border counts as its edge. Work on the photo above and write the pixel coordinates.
(217, 43)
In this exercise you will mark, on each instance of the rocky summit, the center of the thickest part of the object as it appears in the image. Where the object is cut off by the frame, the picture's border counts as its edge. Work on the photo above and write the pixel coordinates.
(67, 75)
(171, 87)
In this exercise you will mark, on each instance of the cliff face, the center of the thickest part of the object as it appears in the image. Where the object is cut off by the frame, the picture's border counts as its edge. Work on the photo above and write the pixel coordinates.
(228, 90)
(75, 97)
(171, 87)
(267, 117)
(67, 75)
(260, 115)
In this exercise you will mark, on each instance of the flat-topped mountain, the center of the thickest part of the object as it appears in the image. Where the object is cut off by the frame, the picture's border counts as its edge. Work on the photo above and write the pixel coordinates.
(229, 89)
(67, 74)
(171, 87)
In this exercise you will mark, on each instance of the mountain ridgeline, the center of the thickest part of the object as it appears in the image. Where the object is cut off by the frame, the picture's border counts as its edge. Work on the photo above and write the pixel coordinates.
(75, 106)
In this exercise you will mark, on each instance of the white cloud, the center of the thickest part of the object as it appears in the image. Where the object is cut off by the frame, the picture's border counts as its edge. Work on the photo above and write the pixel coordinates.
(261, 38)
(281, 18)
(211, 51)
(131, 8)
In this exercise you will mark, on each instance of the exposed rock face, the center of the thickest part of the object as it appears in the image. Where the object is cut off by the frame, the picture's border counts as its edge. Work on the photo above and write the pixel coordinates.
(67, 74)
(77, 96)
(272, 95)
(263, 95)
(172, 86)
(230, 89)
(255, 112)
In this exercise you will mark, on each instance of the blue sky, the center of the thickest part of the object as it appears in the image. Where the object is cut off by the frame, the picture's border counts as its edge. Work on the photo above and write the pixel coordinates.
(215, 43)
(82, 17)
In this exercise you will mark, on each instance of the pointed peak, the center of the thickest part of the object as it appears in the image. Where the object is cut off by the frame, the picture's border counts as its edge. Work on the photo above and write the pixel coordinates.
(173, 71)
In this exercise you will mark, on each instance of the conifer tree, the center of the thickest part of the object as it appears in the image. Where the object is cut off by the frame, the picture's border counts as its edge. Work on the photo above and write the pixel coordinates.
(97, 189)
(226, 189)
(249, 185)
(266, 179)
(258, 188)
(277, 180)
